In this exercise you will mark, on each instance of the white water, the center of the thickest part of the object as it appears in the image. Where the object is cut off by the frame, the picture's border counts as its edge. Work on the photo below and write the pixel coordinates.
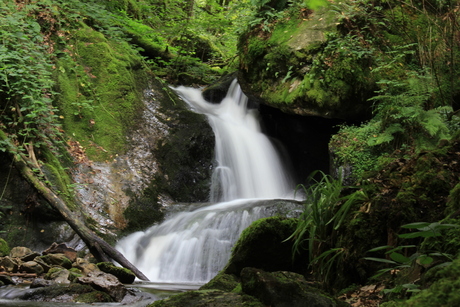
(191, 247)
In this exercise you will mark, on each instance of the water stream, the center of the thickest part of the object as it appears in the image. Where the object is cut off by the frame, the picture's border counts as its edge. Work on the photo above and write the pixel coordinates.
(191, 247)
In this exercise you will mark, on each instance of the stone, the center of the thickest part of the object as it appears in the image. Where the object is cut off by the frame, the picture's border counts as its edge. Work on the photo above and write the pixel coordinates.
(208, 298)
(85, 266)
(59, 276)
(40, 283)
(44, 265)
(57, 259)
(125, 276)
(30, 257)
(6, 280)
(105, 282)
(263, 245)
(61, 248)
(20, 251)
(282, 289)
(9, 264)
(31, 267)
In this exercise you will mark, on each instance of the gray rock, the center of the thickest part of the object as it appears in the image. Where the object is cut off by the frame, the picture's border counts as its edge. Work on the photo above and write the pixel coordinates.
(40, 283)
(105, 282)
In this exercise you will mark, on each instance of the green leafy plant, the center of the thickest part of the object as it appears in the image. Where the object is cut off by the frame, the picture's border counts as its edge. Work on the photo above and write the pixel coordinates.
(397, 259)
(326, 209)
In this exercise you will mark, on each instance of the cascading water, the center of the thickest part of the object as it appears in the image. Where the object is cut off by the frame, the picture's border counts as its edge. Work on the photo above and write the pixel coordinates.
(191, 247)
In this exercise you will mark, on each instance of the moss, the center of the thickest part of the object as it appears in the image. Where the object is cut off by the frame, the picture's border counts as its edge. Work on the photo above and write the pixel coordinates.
(208, 298)
(100, 83)
(263, 245)
(93, 297)
(124, 275)
(222, 281)
(4, 248)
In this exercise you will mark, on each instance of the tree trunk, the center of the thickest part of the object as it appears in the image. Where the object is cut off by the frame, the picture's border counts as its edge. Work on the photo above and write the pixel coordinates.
(100, 249)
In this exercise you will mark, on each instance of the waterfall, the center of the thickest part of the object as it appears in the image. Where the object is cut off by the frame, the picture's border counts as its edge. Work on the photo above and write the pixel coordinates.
(191, 247)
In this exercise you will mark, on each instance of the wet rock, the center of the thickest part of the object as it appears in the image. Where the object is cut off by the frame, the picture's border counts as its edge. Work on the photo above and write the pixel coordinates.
(31, 267)
(125, 276)
(282, 289)
(57, 259)
(106, 283)
(65, 293)
(46, 267)
(58, 275)
(6, 280)
(20, 251)
(40, 282)
(208, 298)
(62, 248)
(9, 264)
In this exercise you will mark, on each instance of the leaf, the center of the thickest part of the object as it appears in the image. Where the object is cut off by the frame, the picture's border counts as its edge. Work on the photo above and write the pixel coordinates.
(424, 260)
(416, 225)
(380, 248)
(380, 260)
(423, 234)
(399, 257)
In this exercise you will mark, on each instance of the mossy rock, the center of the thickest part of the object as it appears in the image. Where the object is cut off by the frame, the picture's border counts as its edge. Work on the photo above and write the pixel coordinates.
(209, 298)
(221, 281)
(124, 275)
(284, 289)
(63, 293)
(264, 245)
(294, 67)
(4, 248)
(93, 297)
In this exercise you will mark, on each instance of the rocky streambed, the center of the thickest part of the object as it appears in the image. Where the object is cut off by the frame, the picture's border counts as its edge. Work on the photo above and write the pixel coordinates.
(59, 275)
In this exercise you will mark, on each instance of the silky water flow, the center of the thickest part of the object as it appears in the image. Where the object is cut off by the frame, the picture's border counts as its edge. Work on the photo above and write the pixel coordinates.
(192, 247)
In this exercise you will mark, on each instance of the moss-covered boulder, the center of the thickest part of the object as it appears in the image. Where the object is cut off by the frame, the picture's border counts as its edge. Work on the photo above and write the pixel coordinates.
(222, 281)
(66, 293)
(279, 289)
(299, 66)
(125, 276)
(208, 298)
(264, 245)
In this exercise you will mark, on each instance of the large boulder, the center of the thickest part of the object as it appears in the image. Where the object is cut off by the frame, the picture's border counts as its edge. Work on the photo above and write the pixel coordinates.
(265, 245)
(282, 289)
(106, 283)
(208, 298)
(298, 66)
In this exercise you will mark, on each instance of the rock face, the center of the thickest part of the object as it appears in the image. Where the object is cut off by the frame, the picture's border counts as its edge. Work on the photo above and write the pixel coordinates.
(294, 66)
